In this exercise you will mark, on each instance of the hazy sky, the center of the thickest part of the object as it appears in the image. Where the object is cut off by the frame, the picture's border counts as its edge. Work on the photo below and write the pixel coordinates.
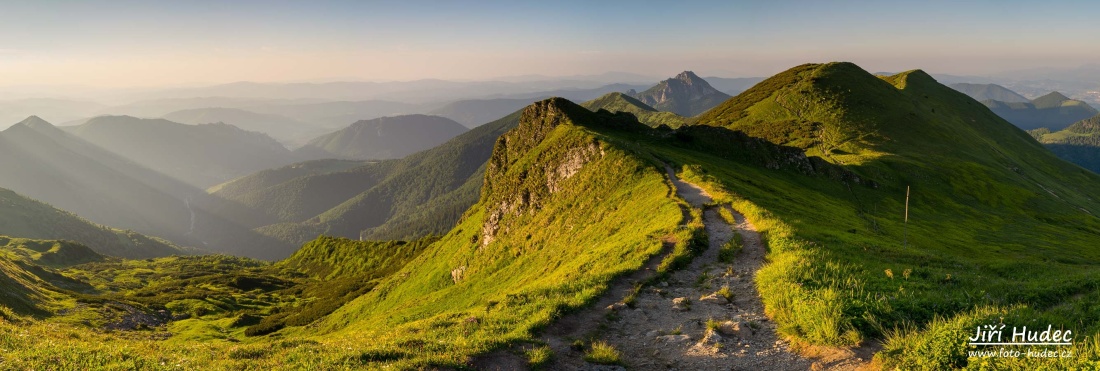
(149, 42)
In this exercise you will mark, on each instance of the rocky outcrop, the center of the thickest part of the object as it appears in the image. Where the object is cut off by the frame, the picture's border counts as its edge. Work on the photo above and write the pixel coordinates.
(686, 95)
(507, 193)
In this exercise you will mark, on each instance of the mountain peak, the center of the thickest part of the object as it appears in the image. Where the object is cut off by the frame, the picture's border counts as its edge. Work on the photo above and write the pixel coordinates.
(36, 122)
(688, 77)
(912, 78)
(1059, 100)
(1054, 95)
(686, 94)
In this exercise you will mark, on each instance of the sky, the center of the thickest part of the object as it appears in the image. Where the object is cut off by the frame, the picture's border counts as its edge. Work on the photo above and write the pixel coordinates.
(151, 43)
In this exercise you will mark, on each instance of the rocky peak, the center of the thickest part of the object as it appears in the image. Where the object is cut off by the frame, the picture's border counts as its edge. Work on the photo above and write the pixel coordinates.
(690, 78)
(510, 190)
(686, 94)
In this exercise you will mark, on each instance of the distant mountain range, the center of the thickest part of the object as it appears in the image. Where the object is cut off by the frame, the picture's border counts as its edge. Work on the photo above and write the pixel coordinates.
(291, 132)
(45, 163)
(686, 95)
(201, 155)
(1054, 111)
(383, 138)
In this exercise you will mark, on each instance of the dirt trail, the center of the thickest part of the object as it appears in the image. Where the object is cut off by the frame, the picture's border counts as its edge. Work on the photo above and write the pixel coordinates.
(659, 334)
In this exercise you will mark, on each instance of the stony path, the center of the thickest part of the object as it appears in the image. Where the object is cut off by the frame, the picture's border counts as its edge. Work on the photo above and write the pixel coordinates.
(658, 334)
(667, 328)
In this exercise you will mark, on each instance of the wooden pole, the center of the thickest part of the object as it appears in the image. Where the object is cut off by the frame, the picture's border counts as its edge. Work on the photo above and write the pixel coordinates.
(906, 241)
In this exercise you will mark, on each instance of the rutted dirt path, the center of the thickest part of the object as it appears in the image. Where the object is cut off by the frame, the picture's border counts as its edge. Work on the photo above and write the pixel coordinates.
(667, 328)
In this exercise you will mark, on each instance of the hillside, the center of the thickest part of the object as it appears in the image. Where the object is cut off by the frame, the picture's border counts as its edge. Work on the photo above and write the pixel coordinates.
(22, 292)
(47, 164)
(24, 217)
(983, 92)
(1079, 143)
(200, 155)
(421, 194)
(331, 257)
(288, 131)
(383, 138)
(1053, 111)
(48, 253)
(619, 102)
(685, 94)
(978, 186)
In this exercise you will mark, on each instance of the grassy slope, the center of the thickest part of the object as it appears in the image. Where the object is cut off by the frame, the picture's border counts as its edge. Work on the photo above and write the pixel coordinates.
(23, 292)
(53, 253)
(995, 220)
(24, 217)
(619, 102)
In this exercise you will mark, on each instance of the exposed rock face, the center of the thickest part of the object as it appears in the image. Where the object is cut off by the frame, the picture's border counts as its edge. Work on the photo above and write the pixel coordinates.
(457, 273)
(686, 95)
(574, 161)
(514, 194)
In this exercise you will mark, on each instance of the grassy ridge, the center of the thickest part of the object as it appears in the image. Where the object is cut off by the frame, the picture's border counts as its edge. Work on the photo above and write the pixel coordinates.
(619, 102)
